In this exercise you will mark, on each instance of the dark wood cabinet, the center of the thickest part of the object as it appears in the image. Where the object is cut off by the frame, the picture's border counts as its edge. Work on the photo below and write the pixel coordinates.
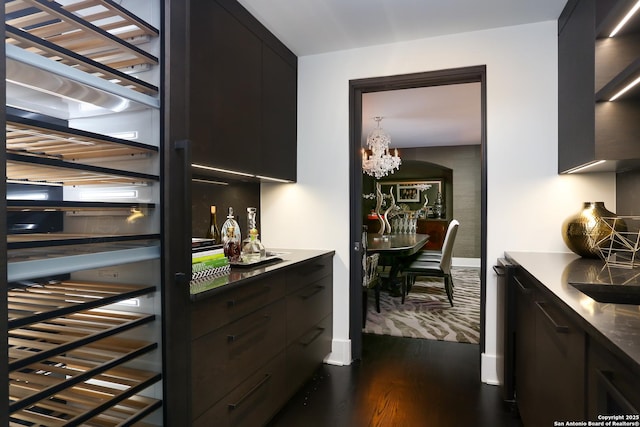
(253, 401)
(221, 360)
(309, 320)
(225, 85)
(279, 116)
(591, 68)
(612, 385)
(243, 89)
(526, 385)
(549, 358)
(575, 358)
(255, 344)
(436, 229)
(560, 354)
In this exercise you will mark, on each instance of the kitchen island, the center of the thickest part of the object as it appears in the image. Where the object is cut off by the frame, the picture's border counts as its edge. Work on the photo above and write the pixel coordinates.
(257, 334)
(577, 356)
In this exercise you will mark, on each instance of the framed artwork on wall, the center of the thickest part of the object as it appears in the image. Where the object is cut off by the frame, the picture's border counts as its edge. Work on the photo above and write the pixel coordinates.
(407, 193)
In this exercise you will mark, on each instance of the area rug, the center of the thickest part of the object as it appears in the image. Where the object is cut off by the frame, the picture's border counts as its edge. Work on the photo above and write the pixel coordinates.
(426, 312)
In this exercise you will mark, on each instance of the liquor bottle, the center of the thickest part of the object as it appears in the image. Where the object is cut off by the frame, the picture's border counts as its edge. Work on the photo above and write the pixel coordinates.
(213, 232)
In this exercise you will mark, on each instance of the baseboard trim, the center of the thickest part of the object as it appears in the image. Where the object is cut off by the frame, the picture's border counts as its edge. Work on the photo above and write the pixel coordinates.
(465, 262)
(488, 371)
(340, 353)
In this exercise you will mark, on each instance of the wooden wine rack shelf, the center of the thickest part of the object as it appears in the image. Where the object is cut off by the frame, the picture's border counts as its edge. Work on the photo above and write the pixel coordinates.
(49, 50)
(89, 405)
(41, 301)
(42, 139)
(98, 36)
(51, 337)
(45, 170)
(22, 241)
(99, 361)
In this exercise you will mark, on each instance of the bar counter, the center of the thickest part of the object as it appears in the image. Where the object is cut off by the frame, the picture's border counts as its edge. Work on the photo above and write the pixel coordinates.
(616, 326)
(240, 276)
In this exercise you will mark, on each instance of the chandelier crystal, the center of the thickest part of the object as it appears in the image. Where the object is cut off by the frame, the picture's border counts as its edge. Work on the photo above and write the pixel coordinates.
(380, 163)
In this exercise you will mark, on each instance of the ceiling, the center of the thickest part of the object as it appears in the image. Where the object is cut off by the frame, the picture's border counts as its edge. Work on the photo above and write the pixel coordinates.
(429, 116)
(439, 115)
(309, 27)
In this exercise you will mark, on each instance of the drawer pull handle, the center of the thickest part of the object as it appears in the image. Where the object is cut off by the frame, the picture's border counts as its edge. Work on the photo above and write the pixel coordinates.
(252, 328)
(524, 290)
(318, 332)
(316, 290)
(605, 378)
(234, 302)
(561, 329)
(253, 389)
(499, 270)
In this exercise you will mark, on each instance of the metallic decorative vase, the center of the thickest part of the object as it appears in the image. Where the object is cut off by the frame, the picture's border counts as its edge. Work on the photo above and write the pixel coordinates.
(581, 232)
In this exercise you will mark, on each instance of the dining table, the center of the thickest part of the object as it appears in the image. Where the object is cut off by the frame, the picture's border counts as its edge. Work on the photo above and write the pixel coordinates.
(397, 248)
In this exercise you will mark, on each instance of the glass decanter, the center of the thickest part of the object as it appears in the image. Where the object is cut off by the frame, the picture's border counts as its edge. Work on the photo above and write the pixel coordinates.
(232, 245)
(230, 222)
(252, 249)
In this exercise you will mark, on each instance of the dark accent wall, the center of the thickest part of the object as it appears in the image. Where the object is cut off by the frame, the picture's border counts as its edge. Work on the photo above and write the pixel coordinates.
(627, 195)
(465, 191)
(239, 196)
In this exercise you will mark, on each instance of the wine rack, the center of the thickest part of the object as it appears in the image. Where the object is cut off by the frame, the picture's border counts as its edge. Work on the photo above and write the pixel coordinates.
(83, 331)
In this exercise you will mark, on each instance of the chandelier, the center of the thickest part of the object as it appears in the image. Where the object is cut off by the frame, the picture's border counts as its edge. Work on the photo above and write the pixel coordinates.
(380, 162)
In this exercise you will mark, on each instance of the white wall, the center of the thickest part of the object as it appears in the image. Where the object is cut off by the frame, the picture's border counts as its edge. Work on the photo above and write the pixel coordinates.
(527, 200)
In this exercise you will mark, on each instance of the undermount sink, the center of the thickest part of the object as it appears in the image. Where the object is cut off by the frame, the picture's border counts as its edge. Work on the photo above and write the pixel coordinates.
(610, 293)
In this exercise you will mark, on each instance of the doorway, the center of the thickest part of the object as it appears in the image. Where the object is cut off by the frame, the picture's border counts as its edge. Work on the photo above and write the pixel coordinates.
(408, 81)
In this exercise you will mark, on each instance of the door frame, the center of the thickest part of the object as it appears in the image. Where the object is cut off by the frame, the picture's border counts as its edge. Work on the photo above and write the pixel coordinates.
(405, 81)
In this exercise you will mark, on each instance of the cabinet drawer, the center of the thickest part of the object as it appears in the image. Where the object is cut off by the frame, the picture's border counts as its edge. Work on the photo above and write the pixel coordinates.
(253, 402)
(222, 359)
(309, 272)
(560, 354)
(612, 388)
(308, 306)
(210, 314)
(306, 353)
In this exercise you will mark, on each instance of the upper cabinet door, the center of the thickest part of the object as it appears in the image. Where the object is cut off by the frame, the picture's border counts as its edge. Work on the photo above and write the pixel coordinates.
(279, 116)
(576, 57)
(243, 88)
(225, 106)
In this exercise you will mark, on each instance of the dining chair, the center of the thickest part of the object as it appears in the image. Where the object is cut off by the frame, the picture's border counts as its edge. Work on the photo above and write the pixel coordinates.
(370, 280)
(434, 254)
(434, 268)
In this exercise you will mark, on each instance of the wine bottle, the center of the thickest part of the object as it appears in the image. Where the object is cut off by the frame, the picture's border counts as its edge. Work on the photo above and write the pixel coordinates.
(213, 232)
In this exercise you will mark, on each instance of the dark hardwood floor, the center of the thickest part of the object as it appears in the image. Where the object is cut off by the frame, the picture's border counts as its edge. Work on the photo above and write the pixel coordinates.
(400, 382)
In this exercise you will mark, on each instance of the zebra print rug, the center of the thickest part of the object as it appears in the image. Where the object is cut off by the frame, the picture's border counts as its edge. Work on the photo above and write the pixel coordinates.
(426, 312)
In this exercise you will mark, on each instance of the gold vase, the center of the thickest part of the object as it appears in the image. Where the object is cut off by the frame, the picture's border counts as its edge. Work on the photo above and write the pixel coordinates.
(582, 232)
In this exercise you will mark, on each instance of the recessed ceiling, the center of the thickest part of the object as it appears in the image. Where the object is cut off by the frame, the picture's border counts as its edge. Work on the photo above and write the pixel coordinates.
(309, 27)
(429, 116)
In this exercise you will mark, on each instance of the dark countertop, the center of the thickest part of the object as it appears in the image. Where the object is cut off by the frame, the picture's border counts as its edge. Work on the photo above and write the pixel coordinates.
(616, 326)
(239, 276)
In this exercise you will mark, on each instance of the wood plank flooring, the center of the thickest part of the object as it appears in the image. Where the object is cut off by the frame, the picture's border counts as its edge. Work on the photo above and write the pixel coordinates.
(400, 382)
